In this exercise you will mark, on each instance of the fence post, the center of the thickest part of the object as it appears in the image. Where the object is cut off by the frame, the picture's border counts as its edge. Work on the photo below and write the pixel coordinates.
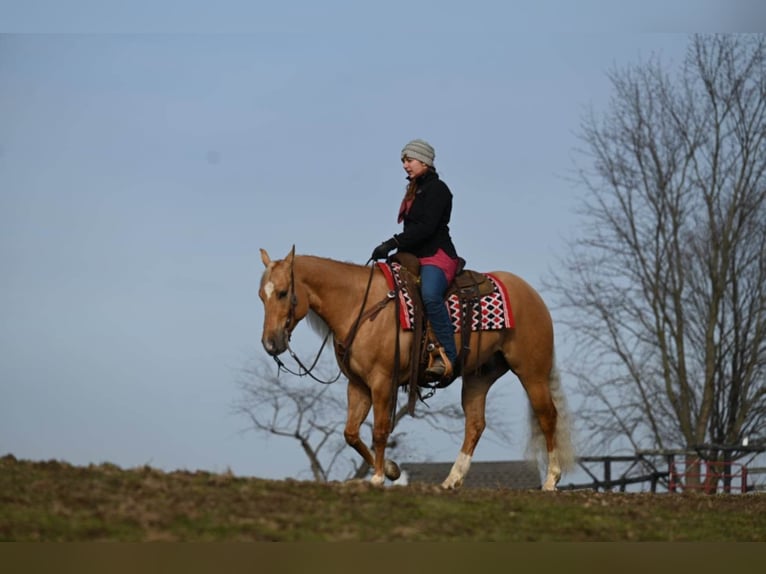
(671, 473)
(743, 490)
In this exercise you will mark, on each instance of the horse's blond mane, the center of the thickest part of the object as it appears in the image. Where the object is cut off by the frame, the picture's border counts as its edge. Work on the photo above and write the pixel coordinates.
(317, 324)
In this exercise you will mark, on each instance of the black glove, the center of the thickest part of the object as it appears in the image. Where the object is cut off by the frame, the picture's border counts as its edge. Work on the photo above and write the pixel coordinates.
(382, 250)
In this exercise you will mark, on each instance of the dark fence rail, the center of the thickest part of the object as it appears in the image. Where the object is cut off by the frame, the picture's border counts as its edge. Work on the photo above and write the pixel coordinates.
(707, 468)
(639, 470)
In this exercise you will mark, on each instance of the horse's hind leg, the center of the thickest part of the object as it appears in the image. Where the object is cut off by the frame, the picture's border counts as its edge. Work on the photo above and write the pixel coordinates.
(474, 399)
(544, 409)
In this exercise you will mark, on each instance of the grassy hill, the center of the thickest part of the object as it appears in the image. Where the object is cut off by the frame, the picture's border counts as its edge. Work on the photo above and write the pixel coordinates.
(55, 501)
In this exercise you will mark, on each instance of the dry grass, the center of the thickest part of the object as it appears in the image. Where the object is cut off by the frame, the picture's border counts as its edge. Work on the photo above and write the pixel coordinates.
(55, 501)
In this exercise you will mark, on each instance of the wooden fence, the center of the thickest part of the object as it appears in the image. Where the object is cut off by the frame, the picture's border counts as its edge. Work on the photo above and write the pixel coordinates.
(708, 469)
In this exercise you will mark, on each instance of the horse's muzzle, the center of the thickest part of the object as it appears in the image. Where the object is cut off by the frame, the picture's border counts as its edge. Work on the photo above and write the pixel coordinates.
(275, 345)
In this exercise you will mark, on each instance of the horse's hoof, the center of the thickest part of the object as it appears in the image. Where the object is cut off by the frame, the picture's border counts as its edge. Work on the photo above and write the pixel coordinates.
(377, 480)
(452, 485)
(392, 470)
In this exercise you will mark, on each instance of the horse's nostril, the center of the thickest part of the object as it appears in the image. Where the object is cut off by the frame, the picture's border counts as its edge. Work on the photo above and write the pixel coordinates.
(273, 345)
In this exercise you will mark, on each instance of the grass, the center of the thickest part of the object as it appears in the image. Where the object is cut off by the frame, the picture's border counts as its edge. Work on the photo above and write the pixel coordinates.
(56, 501)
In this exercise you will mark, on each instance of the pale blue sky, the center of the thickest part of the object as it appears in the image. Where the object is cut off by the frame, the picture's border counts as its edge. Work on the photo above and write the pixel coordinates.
(140, 173)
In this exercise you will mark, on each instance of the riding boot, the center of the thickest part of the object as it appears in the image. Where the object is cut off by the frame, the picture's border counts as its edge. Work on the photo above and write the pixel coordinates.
(437, 370)
(441, 367)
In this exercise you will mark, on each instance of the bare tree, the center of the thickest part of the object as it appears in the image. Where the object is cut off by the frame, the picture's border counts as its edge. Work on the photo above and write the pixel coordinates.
(314, 414)
(665, 291)
(286, 407)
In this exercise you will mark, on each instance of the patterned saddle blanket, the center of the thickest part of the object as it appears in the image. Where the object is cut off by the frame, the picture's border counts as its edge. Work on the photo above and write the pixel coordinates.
(492, 312)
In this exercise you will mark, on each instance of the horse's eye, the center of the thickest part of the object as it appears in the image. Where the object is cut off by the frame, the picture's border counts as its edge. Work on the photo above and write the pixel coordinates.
(282, 294)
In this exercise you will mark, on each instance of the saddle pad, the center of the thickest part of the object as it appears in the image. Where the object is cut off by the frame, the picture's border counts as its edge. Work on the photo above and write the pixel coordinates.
(493, 312)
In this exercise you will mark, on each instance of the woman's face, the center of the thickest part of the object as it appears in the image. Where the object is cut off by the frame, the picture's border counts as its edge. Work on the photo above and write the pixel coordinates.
(414, 167)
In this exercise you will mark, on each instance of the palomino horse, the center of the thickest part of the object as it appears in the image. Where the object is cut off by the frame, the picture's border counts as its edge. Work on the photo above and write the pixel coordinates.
(335, 291)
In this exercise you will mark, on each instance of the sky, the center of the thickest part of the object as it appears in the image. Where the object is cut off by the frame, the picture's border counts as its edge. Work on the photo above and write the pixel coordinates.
(147, 153)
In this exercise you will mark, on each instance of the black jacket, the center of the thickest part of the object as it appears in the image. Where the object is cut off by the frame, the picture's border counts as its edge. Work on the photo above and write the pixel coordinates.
(426, 225)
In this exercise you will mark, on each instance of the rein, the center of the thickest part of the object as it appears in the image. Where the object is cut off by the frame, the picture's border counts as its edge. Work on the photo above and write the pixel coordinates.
(391, 295)
(303, 371)
(343, 350)
(362, 315)
(307, 371)
(371, 314)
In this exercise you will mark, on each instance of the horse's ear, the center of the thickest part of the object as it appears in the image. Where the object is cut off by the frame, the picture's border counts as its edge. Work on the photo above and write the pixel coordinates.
(291, 255)
(265, 258)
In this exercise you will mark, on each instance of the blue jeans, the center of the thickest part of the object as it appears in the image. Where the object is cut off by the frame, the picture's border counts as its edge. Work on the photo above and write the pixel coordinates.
(433, 286)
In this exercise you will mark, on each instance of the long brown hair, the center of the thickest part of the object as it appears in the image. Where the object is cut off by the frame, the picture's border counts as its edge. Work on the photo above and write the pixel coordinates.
(412, 185)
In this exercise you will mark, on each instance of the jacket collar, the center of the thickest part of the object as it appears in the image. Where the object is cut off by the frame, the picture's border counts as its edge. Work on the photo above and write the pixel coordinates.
(426, 177)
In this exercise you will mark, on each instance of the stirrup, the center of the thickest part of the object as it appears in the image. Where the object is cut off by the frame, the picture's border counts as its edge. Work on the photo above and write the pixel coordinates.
(441, 371)
(437, 370)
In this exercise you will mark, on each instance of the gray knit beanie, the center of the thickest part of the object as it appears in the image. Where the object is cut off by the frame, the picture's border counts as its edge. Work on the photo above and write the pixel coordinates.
(420, 150)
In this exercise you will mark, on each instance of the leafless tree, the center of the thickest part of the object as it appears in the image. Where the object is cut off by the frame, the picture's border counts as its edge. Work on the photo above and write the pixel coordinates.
(665, 291)
(314, 414)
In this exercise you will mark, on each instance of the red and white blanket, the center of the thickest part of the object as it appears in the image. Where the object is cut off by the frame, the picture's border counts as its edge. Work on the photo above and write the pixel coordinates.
(493, 312)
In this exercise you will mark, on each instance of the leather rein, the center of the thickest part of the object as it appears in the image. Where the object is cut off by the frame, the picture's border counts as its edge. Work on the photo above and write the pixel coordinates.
(345, 346)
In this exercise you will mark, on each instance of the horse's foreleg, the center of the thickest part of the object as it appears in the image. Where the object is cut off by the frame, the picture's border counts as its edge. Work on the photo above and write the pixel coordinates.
(359, 403)
(382, 426)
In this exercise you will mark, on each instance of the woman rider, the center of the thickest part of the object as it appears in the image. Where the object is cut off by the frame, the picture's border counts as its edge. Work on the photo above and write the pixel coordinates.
(425, 212)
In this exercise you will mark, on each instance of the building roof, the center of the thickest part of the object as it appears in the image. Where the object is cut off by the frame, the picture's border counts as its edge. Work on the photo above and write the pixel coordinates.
(513, 474)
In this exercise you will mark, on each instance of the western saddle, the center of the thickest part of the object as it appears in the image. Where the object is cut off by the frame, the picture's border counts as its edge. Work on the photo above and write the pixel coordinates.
(469, 287)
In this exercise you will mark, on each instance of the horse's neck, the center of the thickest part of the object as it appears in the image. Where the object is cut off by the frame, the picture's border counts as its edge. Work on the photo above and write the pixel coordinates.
(335, 290)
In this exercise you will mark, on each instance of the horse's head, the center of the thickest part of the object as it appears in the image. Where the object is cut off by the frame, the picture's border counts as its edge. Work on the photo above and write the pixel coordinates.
(283, 302)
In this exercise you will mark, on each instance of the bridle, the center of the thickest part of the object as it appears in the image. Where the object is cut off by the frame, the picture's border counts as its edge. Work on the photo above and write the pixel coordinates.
(342, 349)
(304, 371)
(290, 324)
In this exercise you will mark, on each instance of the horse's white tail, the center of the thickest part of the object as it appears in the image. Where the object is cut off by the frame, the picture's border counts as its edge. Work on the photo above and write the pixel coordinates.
(564, 451)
